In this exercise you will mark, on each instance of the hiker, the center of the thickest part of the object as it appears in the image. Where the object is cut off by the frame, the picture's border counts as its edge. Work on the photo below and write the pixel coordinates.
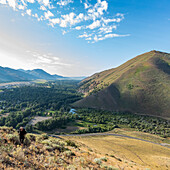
(22, 132)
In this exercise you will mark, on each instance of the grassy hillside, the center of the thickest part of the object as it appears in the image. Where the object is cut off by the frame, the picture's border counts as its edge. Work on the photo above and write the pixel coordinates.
(129, 152)
(141, 85)
(43, 152)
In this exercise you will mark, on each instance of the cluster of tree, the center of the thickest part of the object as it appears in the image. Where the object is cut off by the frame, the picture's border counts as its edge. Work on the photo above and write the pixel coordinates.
(95, 129)
(46, 99)
(16, 119)
(94, 116)
(143, 123)
(53, 123)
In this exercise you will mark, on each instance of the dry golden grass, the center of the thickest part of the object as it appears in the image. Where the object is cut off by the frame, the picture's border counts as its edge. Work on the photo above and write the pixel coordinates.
(46, 153)
(134, 154)
(141, 135)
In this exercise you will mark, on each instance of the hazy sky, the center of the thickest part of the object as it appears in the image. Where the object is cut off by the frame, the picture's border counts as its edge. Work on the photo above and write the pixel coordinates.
(80, 37)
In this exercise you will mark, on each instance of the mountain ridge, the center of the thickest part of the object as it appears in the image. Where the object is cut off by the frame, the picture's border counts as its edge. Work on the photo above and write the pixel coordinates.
(141, 85)
(13, 75)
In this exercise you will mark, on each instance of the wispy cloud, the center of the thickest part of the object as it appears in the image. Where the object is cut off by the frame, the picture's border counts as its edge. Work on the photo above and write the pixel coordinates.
(91, 18)
(47, 59)
(3, 1)
(28, 11)
(101, 37)
(64, 2)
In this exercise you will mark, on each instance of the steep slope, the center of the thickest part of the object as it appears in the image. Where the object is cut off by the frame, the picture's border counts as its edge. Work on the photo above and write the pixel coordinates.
(141, 85)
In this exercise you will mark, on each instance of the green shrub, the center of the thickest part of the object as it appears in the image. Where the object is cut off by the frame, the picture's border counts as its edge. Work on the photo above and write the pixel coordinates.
(8, 130)
(58, 147)
(6, 148)
(45, 136)
(47, 142)
(59, 142)
(130, 86)
(42, 137)
(69, 153)
(111, 168)
(1, 140)
(27, 142)
(71, 143)
(13, 138)
(104, 159)
(98, 161)
(60, 161)
(31, 137)
(49, 148)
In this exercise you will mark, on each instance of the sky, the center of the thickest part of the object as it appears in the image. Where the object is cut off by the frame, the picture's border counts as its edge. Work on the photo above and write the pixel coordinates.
(80, 37)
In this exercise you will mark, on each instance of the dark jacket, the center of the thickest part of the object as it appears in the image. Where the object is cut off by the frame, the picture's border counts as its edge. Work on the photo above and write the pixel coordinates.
(22, 133)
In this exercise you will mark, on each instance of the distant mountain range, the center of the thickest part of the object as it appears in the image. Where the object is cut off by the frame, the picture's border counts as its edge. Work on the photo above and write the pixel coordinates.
(141, 85)
(12, 75)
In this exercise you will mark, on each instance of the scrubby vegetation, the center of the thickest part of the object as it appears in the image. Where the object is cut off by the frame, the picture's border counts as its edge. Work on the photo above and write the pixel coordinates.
(43, 152)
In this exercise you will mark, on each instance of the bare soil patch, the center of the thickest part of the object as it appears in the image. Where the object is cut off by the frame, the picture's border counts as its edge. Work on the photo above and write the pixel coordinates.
(37, 119)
